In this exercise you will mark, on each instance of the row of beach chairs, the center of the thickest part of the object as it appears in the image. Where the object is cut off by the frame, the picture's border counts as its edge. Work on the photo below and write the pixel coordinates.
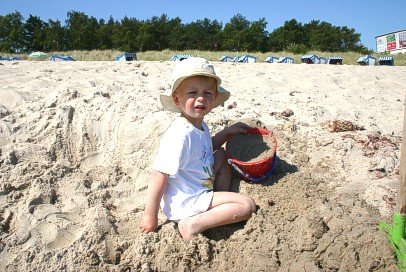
(313, 59)
(123, 57)
(9, 59)
(370, 60)
(52, 58)
(249, 58)
(308, 59)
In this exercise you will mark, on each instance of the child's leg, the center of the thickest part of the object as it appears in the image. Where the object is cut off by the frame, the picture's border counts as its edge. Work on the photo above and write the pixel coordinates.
(225, 208)
(222, 171)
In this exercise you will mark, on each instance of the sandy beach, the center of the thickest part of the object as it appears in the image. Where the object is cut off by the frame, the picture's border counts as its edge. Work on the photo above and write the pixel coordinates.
(77, 140)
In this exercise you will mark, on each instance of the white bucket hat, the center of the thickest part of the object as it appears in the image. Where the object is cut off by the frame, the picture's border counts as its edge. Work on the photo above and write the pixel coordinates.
(187, 68)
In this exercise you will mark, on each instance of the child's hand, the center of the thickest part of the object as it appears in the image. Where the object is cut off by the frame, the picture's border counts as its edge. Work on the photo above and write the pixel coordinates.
(237, 128)
(221, 137)
(148, 224)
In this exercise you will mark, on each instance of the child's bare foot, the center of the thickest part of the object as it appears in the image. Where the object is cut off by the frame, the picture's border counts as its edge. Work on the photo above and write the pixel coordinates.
(185, 227)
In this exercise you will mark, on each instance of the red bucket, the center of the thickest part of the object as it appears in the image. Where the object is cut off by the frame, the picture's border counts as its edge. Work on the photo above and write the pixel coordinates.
(254, 170)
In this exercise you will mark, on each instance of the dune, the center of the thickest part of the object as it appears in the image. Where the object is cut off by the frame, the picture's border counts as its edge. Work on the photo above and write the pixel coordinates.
(77, 140)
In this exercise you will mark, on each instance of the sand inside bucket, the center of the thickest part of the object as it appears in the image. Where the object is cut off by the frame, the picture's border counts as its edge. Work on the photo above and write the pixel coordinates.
(251, 147)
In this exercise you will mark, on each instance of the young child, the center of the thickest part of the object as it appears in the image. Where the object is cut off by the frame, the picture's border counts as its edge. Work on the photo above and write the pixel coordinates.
(188, 180)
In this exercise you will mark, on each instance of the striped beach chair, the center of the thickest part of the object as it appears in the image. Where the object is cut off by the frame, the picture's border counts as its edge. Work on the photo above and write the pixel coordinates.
(126, 57)
(389, 61)
(226, 59)
(237, 59)
(10, 58)
(335, 60)
(180, 57)
(288, 60)
(313, 59)
(271, 59)
(309, 59)
(366, 60)
(321, 60)
(248, 58)
(62, 58)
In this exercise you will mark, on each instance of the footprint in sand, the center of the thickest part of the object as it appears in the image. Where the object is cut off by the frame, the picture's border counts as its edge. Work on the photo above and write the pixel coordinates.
(55, 238)
(58, 230)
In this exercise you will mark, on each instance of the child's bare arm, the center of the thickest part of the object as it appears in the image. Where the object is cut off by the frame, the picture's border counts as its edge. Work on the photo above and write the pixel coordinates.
(155, 191)
(222, 136)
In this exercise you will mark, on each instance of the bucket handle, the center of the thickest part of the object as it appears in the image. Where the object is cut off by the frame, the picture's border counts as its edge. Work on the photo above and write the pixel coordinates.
(230, 161)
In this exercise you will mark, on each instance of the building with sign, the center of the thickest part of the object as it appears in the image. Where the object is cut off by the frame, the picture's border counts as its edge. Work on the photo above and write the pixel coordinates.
(394, 42)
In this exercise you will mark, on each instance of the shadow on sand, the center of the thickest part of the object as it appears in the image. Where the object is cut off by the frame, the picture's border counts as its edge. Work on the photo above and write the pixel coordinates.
(281, 169)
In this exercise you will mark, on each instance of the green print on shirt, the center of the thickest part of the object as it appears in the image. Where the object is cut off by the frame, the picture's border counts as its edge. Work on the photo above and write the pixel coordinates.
(208, 183)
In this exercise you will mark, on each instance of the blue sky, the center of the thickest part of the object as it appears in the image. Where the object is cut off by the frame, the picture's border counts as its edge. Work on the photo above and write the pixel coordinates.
(370, 18)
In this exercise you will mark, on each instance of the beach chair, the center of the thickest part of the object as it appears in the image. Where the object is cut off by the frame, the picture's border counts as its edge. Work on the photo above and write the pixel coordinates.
(287, 60)
(313, 59)
(61, 58)
(237, 59)
(335, 60)
(321, 60)
(309, 59)
(389, 61)
(10, 58)
(180, 57)
(226, 59)
(366, 60)
(271, 59)
(126, 57)
(248, 58)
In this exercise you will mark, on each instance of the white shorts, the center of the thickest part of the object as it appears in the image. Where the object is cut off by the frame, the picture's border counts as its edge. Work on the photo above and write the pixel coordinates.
(192, 206)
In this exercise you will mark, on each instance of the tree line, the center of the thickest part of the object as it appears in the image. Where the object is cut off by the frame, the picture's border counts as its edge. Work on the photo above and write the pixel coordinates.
(83, 32)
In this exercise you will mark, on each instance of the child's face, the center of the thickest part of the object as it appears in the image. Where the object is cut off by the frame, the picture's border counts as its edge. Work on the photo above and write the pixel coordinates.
(196, 96)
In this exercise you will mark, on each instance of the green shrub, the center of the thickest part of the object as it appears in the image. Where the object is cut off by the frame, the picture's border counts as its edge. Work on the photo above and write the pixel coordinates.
(297, 49)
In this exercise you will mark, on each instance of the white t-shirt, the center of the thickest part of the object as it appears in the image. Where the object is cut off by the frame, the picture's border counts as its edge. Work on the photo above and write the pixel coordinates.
(186, 154)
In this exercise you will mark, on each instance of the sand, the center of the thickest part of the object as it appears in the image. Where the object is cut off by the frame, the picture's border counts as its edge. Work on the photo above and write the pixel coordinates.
(77, 140)
(251, 147)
